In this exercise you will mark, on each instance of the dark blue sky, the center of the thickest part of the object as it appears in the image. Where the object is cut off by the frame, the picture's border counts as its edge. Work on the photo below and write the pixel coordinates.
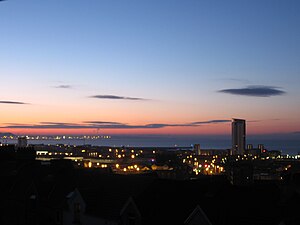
(178, 55)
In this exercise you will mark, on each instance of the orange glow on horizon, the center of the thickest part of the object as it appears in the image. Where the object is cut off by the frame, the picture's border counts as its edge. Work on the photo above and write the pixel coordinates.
(215, 129)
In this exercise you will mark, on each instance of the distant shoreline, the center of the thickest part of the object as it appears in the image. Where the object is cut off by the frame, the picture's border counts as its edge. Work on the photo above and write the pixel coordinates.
(291, 147)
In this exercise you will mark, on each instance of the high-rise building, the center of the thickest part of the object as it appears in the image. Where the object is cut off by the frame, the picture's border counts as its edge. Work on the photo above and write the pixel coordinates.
(197, 149)
(238, 136)
(22, 142)
(261, 147)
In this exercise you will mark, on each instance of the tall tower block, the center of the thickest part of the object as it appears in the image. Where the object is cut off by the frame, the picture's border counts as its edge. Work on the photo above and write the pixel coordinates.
(238, 136)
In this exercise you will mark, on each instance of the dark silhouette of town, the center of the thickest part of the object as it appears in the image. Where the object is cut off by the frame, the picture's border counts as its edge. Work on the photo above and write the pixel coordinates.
(62, 185)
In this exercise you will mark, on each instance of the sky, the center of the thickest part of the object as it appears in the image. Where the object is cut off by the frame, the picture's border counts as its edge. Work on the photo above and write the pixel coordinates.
(149, 67)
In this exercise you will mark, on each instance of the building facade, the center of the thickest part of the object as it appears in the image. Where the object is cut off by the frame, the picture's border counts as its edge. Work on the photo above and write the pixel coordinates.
(238, 136)
(22, 142)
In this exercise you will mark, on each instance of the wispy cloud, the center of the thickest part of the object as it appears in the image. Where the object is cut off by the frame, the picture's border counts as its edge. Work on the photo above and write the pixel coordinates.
(258, 121)
(211, 121)
(102, 123)
(255, 90)
(106, 125)
(13, 102)
(244, 81)
(63, 86)
(116, 97)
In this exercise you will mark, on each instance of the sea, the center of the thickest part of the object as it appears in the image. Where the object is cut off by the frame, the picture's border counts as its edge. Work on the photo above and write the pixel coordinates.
(286, 144)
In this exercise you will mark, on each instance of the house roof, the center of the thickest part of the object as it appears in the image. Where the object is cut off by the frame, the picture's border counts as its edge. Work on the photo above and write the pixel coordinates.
(105, 194)
(159, 201)
(50, 183)
(198, 212)
(172, 202)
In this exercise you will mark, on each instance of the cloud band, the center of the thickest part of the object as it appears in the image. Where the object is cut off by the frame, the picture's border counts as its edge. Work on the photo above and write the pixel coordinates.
(255, 91)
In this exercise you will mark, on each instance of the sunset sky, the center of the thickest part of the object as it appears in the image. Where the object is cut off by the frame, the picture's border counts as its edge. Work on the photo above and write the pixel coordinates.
(149, 66)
